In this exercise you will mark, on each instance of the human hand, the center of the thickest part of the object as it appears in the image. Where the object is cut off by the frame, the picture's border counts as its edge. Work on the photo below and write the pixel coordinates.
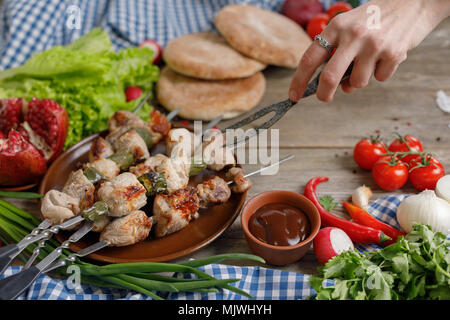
(375, 49)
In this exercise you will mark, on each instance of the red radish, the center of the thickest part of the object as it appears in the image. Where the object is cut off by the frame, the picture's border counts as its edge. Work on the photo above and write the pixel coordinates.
(331, 242)
(133, 93)
(301, 11)
(155, 47)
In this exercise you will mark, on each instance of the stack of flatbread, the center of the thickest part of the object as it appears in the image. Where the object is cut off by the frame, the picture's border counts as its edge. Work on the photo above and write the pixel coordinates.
(209, 74)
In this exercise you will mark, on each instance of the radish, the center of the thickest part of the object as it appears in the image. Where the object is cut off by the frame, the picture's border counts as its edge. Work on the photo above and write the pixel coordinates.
(132, 93)
(331, 242)
(155, 47)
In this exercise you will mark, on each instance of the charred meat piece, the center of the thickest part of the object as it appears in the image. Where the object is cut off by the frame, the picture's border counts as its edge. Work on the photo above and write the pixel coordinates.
(78, 186)
(132, 142)
(58, 207)
(100, 148)
(127, 230)
(213, 191)
(123, 118)
(240, 184)
(180, 143)
(158, 125)
(123, 194)
(149, 165)
(106, 167)
(173, 212)
(175, 171)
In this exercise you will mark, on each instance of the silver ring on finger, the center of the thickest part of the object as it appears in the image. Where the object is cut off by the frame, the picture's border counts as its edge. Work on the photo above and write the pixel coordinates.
(324, 43)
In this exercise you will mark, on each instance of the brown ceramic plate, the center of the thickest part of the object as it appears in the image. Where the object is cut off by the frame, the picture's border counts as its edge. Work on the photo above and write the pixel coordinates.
(18, 188)
(198, 234)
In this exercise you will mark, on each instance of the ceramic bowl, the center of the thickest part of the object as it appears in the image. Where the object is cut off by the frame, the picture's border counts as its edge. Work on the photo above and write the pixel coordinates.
(280, 255)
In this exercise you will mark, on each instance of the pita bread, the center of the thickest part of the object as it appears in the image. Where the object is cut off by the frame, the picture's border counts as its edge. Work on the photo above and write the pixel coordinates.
(263, 35)
(206, 100)
(207, 55)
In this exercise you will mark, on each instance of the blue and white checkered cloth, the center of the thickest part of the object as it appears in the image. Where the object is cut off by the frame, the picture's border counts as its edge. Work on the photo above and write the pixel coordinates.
(261, 283)
(32, 26)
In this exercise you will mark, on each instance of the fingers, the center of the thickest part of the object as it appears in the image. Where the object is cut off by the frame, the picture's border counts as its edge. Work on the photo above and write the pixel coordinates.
(313, 57)
(333, 72)
(385, 69)
(347, 87)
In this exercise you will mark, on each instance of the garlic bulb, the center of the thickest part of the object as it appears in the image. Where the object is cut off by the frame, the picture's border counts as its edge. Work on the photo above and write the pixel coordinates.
(443, 188)
(425, 208)
(361, 197)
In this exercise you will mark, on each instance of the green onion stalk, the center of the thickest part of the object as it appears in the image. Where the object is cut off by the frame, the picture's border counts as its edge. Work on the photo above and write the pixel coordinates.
(143, 277)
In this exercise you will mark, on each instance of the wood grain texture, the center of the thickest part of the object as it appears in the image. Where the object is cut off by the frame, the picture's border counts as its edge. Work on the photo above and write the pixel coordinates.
(322, 135)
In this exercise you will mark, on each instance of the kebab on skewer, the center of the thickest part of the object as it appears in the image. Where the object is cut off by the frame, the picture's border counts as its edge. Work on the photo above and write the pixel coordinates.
(175, 204)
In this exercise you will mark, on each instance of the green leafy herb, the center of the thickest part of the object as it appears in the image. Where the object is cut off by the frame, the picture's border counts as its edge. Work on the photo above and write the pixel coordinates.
(87, 78)
(328, 202)
(415, 267)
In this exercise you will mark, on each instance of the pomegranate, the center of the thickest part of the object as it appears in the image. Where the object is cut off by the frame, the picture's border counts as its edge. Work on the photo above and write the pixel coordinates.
(20, 162)
(31, 135)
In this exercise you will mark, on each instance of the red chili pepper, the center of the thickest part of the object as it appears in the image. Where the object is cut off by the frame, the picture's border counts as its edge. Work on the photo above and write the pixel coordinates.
(363, 217)
(358, 233)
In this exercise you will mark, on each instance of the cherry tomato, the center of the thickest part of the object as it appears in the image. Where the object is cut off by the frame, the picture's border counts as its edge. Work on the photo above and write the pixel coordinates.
(337, 8)
(317, 24)
(425, 172)
(390, 173)
(405, 144)
(368, 151)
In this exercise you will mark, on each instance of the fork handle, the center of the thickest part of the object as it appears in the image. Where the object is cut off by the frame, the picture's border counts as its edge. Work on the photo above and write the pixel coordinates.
(314, 84)
(5, 256)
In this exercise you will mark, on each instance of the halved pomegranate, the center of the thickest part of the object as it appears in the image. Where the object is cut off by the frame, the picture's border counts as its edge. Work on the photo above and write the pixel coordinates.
(20, 162)
(36, 134)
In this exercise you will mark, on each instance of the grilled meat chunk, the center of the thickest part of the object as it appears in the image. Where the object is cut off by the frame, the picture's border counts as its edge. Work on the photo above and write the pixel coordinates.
(215, 155)
(158, 125)
(176, 171)
(123, 194)
(240, 184)
(78, 186)
(127, 230)
(124, 118)
(59, 207)
(173, 212)
(213, 191)
(107, 168)
(181, 142)
(148, 165)
(100, 148)
(133, 143)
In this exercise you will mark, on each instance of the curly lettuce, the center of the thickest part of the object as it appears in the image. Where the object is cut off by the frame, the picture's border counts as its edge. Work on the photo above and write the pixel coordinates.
(87, 78)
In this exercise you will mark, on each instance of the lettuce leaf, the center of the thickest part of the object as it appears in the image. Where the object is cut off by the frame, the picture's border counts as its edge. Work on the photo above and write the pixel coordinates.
(87, 78)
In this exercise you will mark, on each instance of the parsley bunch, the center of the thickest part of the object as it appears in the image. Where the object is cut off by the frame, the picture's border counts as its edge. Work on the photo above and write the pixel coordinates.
(415, 267)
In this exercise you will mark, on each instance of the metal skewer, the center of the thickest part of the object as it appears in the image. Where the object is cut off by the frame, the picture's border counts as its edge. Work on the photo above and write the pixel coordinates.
(8, 253)
(12, 287)
(267, 167)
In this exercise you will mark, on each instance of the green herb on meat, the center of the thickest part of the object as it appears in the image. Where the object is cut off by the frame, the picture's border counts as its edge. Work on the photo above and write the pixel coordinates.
(87, 78)
(415, 267)
(328, 202)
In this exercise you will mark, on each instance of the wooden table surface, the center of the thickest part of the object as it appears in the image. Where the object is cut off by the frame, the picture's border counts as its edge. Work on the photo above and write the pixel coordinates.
(322, 136)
